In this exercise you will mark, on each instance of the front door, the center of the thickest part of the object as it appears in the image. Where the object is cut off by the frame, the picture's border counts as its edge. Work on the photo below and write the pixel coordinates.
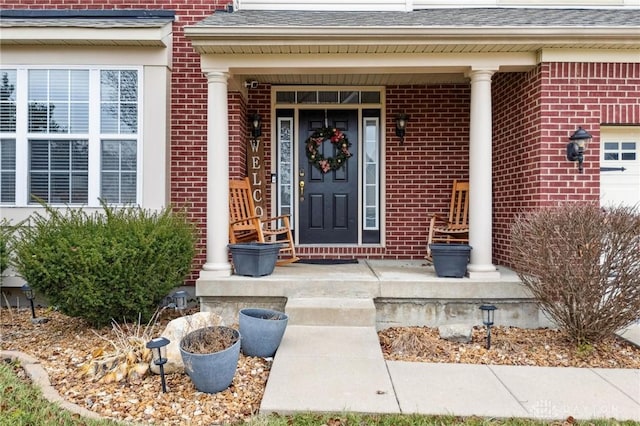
(328, 202)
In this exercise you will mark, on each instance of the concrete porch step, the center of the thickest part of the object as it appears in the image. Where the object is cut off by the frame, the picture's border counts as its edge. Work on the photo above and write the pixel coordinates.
(329, 311)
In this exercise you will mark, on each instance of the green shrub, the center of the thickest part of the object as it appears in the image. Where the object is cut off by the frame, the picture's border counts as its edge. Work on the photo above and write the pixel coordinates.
(5, 235)
(118, 263)
(582, 264)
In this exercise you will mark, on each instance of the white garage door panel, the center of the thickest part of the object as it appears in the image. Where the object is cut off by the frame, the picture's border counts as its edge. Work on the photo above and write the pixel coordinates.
(620, 149)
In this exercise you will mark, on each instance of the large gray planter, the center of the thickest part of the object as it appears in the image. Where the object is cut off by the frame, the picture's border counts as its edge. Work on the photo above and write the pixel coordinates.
(212, 372)
(261, 331)
(254, 259)
(450, 260)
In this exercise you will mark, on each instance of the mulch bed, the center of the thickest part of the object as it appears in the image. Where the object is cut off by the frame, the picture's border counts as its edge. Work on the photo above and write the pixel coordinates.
(64, 344)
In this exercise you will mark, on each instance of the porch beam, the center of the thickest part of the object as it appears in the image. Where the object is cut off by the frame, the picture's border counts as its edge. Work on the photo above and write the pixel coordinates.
(304, 63)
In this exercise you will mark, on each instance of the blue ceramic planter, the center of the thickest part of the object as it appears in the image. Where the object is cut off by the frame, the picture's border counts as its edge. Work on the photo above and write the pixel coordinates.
(212, 372)
(450, 260)
(254, 259)
(261, 331)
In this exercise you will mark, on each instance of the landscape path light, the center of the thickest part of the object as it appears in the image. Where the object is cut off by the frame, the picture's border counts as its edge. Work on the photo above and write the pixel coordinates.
(487, 319)
(180, 300)
(159, 351)
(30, 295)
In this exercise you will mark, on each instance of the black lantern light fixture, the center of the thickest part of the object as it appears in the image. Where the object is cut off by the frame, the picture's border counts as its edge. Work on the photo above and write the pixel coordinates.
(256, 125)
(487, 319)
(401, 126)
(576, 148)
(159, 351)
(30, 295)
(180, 300)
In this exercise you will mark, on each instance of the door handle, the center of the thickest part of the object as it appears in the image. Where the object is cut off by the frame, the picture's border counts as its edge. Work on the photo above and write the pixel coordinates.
(301, 186)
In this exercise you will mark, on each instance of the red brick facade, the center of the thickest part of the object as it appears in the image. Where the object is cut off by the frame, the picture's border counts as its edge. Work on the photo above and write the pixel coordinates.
(533, 115)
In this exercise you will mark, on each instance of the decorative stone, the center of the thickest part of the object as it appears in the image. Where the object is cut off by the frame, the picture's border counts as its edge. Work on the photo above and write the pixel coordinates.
(176, 330)
(459, 333)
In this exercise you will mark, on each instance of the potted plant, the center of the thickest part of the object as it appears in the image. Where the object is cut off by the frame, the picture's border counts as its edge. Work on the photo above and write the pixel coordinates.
(450, 260)
(261, 330)
(210, 356)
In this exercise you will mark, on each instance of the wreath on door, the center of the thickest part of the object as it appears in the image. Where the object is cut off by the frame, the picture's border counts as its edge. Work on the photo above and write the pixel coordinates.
(338, 140)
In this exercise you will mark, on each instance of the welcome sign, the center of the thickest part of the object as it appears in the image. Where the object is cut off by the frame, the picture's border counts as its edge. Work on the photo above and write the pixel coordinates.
(256, 173)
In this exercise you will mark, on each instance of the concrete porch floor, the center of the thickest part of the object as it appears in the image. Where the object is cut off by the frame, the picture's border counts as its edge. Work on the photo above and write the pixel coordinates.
(405, 292)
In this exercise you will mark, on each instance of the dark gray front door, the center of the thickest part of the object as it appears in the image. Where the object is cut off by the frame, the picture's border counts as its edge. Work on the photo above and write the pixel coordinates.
(329, 205)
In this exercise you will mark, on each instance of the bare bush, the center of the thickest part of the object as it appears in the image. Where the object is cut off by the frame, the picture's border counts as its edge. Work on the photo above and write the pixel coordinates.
(582, 264)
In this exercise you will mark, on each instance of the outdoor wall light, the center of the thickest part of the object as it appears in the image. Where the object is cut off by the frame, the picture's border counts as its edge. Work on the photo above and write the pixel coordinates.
(30, 295)
(401, 126)
(256, 125)
(487, 319)
(575, 149)
(159, 351)
(180, 299)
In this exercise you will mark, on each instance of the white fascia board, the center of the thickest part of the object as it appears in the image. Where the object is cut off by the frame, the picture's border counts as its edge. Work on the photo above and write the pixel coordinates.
(47, 35)
(589, 55)
(392, 63)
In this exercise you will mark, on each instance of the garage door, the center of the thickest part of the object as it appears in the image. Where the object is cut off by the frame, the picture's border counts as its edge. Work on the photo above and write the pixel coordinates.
(620, 166)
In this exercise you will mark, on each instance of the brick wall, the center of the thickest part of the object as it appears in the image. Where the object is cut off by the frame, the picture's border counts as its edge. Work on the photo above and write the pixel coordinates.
(419, 173)
(534, 115)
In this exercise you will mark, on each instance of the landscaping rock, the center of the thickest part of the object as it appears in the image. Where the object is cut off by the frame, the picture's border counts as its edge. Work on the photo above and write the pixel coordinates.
(459, 333)
(176, 330)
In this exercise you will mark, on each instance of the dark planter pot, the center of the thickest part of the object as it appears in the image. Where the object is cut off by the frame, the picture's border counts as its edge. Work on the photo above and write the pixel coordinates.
(450, 260)
(261, 331)
(212, 372)
(254, 259)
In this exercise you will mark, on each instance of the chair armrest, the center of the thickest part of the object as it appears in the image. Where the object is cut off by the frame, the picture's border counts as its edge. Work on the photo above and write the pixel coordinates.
(272, 219)
(246, 219)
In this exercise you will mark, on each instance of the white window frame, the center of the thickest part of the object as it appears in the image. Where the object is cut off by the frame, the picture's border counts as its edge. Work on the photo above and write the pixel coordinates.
(22, 136)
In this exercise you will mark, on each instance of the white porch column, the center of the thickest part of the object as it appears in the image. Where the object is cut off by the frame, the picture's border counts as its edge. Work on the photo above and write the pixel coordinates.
(480, 180)
(217, 263)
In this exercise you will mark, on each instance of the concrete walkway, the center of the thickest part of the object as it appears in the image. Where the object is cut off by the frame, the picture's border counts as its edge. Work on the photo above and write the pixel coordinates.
(337, 369)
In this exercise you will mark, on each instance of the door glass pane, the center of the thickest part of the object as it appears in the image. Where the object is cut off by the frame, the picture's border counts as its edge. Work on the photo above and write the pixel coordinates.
(307, 97)
(349, 97)
(371, 173)
(328, 97)
(285, 167)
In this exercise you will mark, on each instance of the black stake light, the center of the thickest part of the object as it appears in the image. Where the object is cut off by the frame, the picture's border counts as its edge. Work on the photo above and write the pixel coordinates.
(487, 320)
(158, 349)
(30, 295)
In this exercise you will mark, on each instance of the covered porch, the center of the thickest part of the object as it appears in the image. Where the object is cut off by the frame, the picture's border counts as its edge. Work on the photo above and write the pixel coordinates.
(384, 293)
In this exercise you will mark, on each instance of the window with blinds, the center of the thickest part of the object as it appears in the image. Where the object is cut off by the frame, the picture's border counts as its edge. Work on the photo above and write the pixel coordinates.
(71, 135)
